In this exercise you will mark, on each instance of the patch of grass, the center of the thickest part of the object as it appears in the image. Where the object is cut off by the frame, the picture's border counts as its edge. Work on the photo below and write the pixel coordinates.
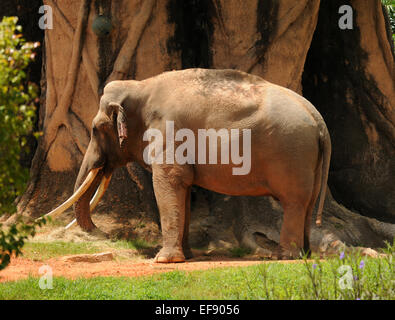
(136, 244)
(372, 279)
(239, 252)
(36, 250)
(338, 226)
(52, 224)
(46, 250)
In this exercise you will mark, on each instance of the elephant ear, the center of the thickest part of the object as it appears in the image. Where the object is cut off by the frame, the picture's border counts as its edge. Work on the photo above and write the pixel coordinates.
(122, 128)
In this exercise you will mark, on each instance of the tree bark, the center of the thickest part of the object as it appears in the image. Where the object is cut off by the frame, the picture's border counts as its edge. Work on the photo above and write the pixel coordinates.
(349, 76)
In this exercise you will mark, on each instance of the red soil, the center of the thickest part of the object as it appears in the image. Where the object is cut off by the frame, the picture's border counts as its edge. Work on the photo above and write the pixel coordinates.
(21, 268)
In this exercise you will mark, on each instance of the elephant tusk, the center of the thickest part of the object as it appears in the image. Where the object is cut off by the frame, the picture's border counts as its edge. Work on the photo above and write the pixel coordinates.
(96, 198)
(99, 193)
(76, 195)
(70, 224)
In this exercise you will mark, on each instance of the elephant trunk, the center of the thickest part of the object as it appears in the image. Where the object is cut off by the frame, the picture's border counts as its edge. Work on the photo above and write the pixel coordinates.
(82, 206)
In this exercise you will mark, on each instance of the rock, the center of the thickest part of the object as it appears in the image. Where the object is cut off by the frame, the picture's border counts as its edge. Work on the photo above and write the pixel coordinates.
(263, 253)
(91, 258)
(327, 243)
(337, 245)
(370, 253)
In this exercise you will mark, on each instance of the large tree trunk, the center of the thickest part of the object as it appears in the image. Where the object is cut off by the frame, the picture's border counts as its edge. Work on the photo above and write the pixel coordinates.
(348, 75)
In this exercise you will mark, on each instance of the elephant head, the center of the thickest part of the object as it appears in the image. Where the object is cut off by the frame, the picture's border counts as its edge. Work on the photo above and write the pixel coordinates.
(105, 152)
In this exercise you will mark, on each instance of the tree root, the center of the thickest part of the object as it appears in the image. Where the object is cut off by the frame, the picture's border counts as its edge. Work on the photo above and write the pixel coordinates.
(123, 62)
(59, 116)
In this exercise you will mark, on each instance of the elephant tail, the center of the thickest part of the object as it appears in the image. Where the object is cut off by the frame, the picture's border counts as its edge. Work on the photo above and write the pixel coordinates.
(325, 149)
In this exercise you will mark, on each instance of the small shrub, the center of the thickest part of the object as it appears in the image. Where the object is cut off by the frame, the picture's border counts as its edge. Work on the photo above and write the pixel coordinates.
(390, 6)
(17, 110)
(12, 240)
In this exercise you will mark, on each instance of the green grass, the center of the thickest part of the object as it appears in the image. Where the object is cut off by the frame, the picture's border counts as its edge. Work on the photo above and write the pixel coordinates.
(239, 252)
(264, 281)
(136, 244)
(364, 278)
(46, 250)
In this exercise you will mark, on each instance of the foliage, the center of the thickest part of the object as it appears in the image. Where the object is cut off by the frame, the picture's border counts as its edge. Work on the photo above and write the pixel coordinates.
(17, 110)
(390, 6)
(12, 240)
(352, 277)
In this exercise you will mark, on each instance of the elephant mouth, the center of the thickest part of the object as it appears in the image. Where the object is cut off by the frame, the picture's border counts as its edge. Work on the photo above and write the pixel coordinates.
(95, 178)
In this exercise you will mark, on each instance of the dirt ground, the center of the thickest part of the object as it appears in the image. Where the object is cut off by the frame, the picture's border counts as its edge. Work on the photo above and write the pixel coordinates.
(125, 263)
(21, 268)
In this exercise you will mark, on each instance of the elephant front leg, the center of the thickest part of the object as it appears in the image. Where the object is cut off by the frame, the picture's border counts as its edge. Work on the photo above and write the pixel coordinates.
(171, 188)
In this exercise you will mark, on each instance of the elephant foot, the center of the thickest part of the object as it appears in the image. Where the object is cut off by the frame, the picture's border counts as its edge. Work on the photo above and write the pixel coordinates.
(169, 255)
(288, 254)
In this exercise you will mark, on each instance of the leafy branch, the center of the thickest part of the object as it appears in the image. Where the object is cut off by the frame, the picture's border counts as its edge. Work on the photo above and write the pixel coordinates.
(12, 240)
(17, 109)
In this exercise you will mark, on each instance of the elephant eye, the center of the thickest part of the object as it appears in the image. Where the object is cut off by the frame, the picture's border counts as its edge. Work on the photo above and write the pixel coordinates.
(97, 132)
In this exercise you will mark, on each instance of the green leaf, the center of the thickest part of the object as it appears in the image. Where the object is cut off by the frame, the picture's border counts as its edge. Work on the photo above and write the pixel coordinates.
(17, 110)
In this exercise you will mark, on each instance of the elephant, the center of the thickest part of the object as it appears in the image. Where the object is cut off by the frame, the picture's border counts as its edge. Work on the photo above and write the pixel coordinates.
(288, 139)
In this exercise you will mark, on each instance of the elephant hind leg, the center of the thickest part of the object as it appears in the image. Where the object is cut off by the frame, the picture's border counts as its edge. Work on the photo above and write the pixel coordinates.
(293, 185)
(292, 230)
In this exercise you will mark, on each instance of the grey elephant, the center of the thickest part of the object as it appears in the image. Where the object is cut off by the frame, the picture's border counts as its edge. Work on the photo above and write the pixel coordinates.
(288, 142)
